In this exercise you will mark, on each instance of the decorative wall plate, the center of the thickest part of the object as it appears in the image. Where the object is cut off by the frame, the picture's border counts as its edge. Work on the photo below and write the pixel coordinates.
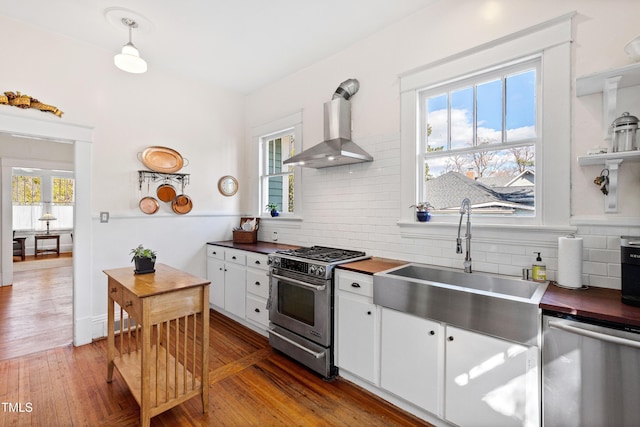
(162, 159)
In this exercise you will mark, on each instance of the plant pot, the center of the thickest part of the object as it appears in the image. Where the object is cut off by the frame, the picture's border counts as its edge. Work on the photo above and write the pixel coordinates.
(423, 216)
(274, 212)
(144, 265)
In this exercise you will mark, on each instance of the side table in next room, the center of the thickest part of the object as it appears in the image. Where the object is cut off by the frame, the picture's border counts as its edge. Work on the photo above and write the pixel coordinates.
(40, 237)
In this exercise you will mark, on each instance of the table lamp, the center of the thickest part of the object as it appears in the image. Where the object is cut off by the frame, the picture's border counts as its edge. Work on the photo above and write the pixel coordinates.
(47, 217)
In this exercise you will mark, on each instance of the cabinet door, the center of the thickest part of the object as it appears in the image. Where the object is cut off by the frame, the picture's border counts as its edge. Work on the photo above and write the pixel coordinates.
(215, 273)
(485, 380)
(357, 337)
(411, 358)
(234, 289)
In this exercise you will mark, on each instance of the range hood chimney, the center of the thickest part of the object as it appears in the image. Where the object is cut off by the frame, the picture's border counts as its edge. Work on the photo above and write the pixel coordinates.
(337, 148)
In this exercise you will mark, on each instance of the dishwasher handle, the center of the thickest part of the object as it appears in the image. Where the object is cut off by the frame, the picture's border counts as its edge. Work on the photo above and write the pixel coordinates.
(592, 334)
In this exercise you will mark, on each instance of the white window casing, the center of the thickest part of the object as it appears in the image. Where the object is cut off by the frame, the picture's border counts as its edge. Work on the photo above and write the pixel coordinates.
(551, 40)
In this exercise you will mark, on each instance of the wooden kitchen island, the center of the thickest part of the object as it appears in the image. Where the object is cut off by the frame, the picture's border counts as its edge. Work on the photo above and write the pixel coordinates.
(163, 336)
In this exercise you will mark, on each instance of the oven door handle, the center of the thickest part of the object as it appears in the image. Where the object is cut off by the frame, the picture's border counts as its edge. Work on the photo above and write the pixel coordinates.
(299, 282)
(313, 353)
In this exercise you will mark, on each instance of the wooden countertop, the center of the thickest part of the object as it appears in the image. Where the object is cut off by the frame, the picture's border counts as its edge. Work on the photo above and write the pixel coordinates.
(259, 247)
(593, 303)
(372, 265)
(165, 279)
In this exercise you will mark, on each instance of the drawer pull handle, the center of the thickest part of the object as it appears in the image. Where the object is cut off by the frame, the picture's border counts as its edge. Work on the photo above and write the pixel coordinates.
(433, 333)
(233, 257)
(257, 310)
(258, 262)
(114, 290)
(369, 313)
(450, 338)
(355, 285)
(214, 253)
(128, 303)
(257, 283)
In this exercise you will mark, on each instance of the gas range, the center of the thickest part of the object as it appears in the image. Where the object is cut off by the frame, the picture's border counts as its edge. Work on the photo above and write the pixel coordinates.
(314, 261)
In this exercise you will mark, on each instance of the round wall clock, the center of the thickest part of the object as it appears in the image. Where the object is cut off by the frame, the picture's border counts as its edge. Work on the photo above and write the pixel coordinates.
(228, 185)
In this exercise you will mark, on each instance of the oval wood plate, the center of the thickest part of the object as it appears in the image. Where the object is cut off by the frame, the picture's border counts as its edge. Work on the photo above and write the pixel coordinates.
(162, 159)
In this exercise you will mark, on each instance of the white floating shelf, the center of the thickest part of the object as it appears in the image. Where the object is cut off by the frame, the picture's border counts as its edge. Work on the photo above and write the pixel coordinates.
(594, 83)
(601, 159)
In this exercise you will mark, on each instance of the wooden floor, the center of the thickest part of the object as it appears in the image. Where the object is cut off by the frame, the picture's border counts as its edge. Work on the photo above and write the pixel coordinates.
(249, 383)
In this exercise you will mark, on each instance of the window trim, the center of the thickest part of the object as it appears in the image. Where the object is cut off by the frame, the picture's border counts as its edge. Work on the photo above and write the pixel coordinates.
(551, 39)
(292, 122)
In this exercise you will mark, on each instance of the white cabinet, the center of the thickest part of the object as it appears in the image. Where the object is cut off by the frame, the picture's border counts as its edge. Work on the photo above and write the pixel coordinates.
(357, 331)
(411, 358)
(215, 273)
(257, 284)
(234, 289)
(239, 285)
(488, 381)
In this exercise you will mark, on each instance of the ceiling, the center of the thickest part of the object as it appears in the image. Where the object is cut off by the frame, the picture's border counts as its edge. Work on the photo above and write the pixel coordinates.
(242, 45)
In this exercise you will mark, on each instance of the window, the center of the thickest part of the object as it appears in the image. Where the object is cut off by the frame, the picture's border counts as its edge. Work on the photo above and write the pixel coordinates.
(36, 192)
(467, 83)
(478, 140)
(279, 184)
(278, 179)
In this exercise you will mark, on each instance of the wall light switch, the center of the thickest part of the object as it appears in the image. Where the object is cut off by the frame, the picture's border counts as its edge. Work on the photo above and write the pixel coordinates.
(104, 216)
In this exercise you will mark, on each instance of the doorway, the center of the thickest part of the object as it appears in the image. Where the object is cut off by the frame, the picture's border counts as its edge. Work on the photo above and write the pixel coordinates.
(79, 137)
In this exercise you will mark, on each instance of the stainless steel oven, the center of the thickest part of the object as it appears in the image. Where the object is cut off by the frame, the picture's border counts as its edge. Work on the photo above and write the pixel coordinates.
(301, 304)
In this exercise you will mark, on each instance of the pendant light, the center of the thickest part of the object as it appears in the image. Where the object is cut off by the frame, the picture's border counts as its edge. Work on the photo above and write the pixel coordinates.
(129, 59)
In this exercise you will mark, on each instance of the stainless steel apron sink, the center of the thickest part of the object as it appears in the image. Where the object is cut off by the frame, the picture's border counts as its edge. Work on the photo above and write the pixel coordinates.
(502, 306)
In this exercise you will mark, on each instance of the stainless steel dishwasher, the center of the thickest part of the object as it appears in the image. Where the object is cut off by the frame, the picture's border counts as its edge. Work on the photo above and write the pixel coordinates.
(591, 373)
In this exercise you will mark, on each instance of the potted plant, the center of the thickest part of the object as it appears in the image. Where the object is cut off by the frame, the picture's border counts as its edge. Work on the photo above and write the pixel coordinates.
(144, 259)
(273, 208)
(423, 211)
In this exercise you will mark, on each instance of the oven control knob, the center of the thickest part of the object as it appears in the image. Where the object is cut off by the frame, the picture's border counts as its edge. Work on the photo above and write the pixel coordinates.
(312, 269)
(276, 261)
(320, 271)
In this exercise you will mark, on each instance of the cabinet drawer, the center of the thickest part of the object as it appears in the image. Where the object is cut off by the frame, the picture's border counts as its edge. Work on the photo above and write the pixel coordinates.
(215, 252)
(131, 304)
(257, 311)
(115, 291)
(359, 284)
(257, 261)
(236, 257)
(258, 283)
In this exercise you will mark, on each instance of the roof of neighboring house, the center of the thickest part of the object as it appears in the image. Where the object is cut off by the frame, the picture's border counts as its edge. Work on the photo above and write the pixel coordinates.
(445, 193)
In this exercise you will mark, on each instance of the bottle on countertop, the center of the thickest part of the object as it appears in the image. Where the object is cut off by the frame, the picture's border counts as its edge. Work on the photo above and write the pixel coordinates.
(539, 270)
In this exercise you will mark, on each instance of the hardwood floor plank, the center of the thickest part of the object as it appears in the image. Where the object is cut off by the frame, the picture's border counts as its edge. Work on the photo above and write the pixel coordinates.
(250, 384)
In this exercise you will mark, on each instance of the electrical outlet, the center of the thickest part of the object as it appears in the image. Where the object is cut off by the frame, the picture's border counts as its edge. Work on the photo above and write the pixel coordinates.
(104, 216)
(275, 236)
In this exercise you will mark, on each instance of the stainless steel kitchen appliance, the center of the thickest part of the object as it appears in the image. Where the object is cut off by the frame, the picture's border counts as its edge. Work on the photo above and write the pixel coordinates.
(630, 266)
(301, 304)
(590, 372)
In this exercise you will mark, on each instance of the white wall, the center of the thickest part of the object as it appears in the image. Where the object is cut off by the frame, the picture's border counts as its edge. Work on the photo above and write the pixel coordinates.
(129, 113)
(358, 206)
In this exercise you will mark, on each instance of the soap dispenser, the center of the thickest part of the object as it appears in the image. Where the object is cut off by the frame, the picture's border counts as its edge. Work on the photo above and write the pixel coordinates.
(539, 270)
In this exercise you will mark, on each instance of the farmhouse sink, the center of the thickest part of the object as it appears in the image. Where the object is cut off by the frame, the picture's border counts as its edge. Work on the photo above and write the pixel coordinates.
(503, 306)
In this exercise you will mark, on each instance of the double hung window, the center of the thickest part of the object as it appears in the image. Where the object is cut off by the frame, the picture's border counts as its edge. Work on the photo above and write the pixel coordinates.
(477, 140)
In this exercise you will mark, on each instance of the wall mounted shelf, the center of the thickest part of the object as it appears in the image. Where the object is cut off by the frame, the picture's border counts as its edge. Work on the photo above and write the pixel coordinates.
(611, 162)
(151, 176)
(608, 82)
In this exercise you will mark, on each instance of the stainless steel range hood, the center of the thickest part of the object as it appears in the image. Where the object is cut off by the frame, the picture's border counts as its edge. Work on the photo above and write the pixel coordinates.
(337, 148)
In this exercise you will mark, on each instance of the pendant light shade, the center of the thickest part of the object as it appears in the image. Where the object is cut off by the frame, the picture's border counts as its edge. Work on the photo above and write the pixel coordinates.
(129, 58)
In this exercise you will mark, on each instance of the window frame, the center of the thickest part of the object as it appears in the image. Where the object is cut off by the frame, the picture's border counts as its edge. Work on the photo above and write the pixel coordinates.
(264, 169)
(288, 124)
(552, 40)
(495, 72)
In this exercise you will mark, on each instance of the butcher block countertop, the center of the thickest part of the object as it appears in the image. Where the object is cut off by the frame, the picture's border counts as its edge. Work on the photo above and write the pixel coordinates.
(592, 303)
(259, 247)
(372, 265)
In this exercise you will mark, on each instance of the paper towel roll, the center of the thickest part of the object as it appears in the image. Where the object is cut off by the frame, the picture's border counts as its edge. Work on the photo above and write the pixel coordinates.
(570, 262)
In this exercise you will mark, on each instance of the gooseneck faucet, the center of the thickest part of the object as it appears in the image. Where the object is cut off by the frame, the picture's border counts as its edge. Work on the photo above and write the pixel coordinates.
(465, 207)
